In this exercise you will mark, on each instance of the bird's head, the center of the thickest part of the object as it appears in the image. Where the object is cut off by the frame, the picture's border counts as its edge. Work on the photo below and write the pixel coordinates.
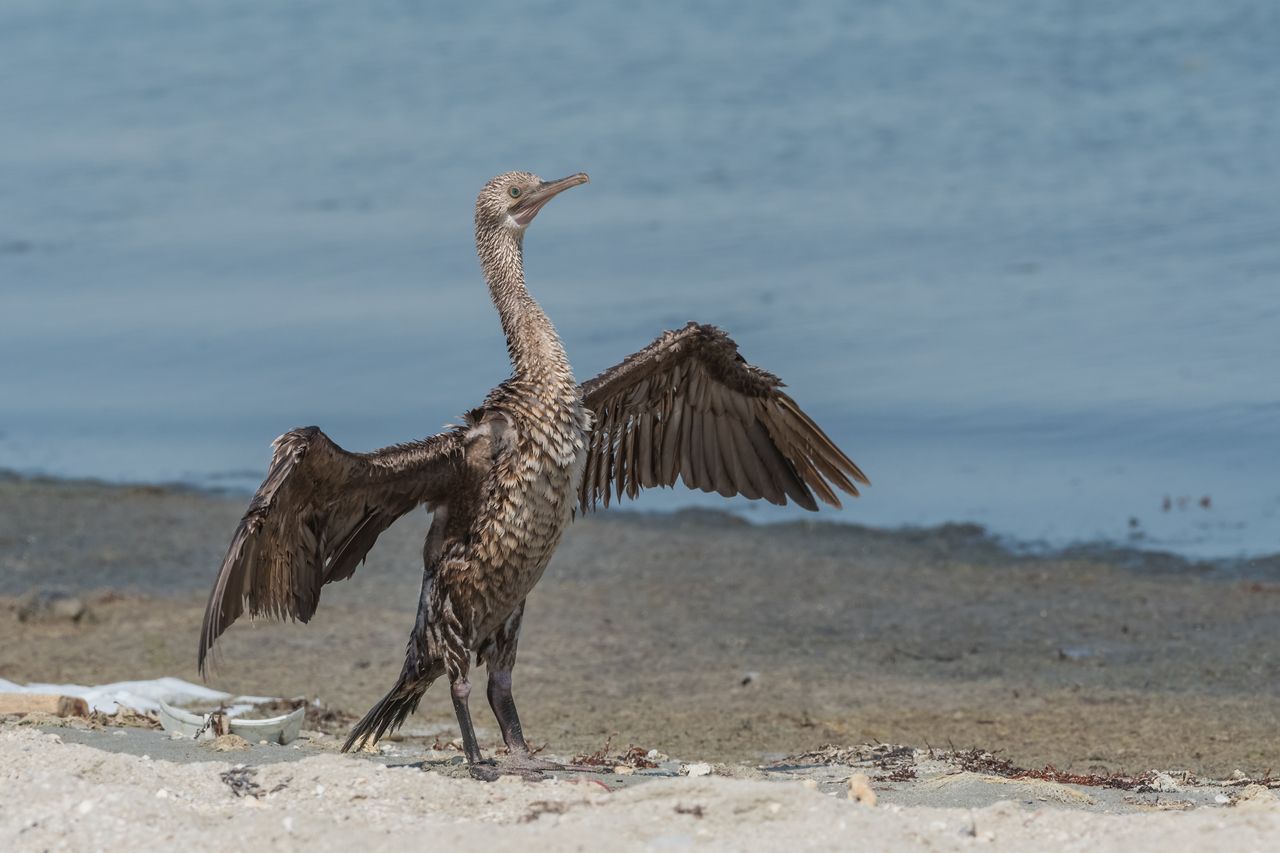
(512, 200)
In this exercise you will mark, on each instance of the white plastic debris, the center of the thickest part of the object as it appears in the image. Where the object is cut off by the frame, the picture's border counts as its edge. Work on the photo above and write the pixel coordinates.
(160, 695)
(283, 729)
(140, 696)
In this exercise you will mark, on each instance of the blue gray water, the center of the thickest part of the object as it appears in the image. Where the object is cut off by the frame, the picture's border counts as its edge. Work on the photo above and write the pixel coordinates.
(1021, 259)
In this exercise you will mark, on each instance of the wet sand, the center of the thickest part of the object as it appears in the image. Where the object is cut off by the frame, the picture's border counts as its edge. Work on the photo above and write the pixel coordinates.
(705, 637)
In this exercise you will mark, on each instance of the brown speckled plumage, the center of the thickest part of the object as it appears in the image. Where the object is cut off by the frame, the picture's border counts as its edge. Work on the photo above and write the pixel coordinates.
(503, 485)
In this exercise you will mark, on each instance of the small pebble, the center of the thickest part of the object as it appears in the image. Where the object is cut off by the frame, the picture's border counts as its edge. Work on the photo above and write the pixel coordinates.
(85, 807)
(860, 790)
(228, 743)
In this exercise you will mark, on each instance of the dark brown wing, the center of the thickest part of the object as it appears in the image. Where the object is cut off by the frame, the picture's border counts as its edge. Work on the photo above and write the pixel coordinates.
(315, 518)
(689, 406)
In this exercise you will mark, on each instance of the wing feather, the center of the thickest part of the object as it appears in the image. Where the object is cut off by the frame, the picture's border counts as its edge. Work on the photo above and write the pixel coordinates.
(671, 446)
(739, 452)
(689, 407)
(644, 443)
(686, 449)
(314, 519)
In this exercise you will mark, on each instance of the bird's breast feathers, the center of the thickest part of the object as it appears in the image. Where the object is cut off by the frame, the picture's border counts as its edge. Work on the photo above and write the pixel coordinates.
(538, 450)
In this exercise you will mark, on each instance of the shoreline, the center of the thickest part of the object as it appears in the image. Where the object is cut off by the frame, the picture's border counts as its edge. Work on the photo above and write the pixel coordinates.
(1263, 565)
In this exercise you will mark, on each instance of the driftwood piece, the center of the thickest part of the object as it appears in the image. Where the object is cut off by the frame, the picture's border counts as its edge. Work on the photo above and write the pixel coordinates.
(43, 703)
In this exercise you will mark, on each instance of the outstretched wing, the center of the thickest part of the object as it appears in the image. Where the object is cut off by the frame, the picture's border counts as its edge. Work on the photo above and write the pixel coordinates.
(689, 406)
(315, 518)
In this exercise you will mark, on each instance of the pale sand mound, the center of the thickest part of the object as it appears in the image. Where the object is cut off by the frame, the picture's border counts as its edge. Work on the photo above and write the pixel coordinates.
(56, 795)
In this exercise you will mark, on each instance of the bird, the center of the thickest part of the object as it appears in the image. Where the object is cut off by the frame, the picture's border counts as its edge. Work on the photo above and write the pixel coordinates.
(502, 485)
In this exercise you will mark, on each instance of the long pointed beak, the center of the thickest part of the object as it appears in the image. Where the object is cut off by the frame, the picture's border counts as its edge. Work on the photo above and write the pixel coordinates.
(528, 207)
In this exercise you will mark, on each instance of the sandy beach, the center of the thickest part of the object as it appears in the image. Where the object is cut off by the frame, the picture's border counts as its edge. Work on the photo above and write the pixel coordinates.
(696, 635)
(79, 797)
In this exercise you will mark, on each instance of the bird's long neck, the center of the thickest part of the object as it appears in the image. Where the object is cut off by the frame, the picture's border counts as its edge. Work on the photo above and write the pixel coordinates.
(532, 342)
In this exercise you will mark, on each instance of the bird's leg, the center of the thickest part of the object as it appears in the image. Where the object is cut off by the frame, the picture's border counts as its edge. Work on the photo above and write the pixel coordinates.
(485, 771)
(499, 655)
(460, 689)
(504, 708)
(519, 760)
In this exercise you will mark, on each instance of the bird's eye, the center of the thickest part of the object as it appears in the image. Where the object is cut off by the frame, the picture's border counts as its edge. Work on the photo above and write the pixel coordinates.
(515, 192)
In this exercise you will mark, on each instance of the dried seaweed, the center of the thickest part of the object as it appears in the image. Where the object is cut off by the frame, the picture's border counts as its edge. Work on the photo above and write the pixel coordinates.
(319, 717)
(598, 758)
(124, 718)
(978, 761)
(882, 755)
(899, 765)
(636, 757)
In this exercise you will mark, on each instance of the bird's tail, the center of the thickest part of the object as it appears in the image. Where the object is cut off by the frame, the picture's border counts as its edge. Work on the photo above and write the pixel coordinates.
(394, 708)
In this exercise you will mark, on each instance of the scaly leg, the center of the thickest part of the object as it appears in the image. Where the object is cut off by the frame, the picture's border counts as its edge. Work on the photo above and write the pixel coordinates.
(504, 708)
(460, 689)
(499, 656)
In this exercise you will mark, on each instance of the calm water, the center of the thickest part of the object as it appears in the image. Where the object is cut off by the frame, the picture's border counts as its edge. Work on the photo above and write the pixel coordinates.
(1021, 260)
